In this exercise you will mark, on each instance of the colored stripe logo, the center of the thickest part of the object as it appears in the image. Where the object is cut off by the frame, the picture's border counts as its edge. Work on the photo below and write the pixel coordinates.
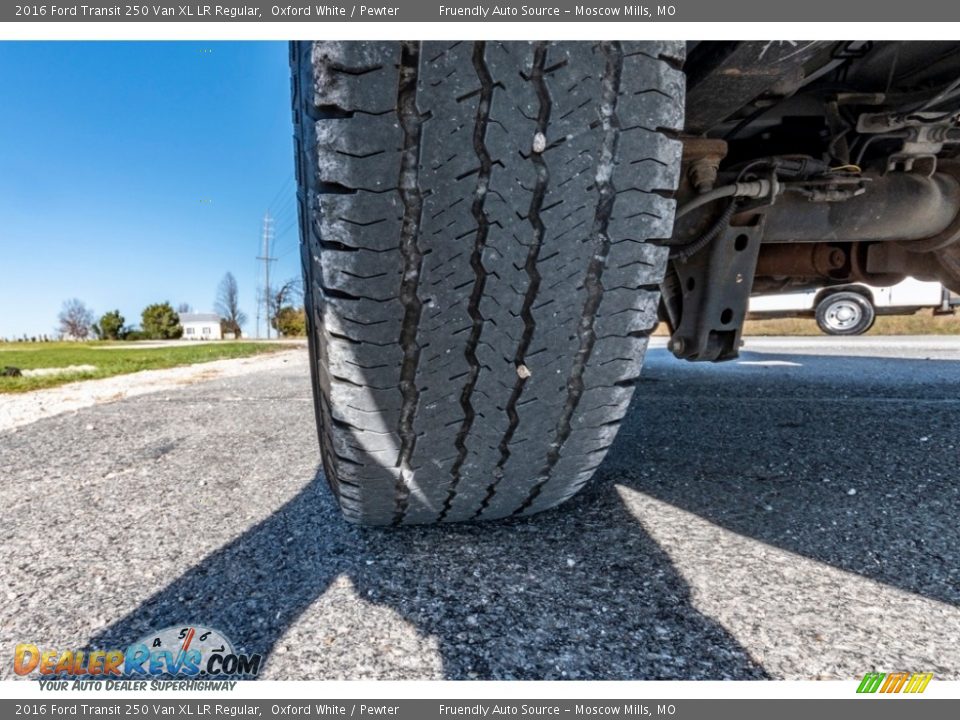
(898, 682)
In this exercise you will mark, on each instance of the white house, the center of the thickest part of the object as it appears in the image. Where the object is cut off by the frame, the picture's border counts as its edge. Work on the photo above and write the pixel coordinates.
(200, 326)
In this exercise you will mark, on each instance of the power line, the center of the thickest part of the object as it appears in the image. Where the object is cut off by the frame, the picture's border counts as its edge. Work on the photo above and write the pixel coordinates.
(267, 238)
(272, 204)
(287, 251)
(292, 222)
(286, 208)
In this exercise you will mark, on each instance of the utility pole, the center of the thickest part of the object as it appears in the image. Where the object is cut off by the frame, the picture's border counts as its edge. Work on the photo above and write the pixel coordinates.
(265, 257)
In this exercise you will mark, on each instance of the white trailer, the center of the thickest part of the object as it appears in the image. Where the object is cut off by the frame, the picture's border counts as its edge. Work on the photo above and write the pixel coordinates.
(851, 309)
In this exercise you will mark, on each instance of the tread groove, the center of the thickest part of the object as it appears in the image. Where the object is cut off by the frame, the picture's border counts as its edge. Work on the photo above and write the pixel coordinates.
(487, 86)
(594, 277)
(411, 121)
(536, 77)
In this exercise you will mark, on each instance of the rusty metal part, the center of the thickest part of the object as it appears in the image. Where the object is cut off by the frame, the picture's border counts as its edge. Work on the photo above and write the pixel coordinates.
(831, 263)
(695, 148)
(805, 260)
(702, 158)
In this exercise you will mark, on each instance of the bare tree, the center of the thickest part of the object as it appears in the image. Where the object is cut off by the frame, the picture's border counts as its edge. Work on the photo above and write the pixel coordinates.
(75, 319)
(286, 308)
(228, 305)
(290, 293)
(184, 308)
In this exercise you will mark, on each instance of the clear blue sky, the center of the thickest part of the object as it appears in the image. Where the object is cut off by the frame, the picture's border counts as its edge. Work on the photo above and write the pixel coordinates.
(136, 172)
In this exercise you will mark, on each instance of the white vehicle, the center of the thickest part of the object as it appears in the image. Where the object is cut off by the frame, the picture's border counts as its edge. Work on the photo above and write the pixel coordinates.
(852, 309)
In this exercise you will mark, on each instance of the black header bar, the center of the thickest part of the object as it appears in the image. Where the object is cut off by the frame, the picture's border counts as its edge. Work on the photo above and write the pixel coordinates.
(738, 11)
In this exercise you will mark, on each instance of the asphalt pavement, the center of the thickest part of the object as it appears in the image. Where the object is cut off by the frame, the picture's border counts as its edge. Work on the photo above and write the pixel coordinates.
(793, 514)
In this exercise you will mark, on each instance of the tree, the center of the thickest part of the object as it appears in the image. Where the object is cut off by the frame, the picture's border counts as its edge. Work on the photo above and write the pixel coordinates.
(284, 316)
(290, 321)
(75, 319)
(227, 305)
(184, 308)
(160, 322)
(290, 293)
(111, 326)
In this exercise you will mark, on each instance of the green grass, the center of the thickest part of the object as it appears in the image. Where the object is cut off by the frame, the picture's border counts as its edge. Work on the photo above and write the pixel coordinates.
(923, 323)
(110, 359)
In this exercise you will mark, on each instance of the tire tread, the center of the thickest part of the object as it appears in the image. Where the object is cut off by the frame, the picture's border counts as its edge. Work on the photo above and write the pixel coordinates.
(477, 222)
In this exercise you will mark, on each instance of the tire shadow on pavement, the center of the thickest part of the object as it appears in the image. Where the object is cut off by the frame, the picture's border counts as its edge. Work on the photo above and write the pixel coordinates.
(850, 461)
(580, 593)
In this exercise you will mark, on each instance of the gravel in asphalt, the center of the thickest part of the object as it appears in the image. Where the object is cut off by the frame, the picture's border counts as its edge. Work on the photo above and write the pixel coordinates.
(790, 515)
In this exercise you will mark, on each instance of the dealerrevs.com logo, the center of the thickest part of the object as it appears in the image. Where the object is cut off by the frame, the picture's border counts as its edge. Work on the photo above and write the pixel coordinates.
(897, 682)
(190, 651)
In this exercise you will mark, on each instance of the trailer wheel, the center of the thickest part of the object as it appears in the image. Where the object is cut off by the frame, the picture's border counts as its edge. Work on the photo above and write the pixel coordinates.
(845, 313)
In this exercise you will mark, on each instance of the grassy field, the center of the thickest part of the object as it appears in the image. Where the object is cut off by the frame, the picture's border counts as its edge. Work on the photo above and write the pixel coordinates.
(109, 359)
(120, 358)
(923, 323)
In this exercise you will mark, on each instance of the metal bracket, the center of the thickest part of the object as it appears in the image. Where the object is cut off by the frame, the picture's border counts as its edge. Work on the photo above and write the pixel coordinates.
(716, 284)
(924, 135)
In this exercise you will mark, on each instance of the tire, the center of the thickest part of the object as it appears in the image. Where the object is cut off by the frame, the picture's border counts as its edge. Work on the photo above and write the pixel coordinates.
(476, 222)
(845, 313)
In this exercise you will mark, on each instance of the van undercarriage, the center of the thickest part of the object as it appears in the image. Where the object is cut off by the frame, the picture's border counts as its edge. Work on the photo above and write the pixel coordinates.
(810, 163)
